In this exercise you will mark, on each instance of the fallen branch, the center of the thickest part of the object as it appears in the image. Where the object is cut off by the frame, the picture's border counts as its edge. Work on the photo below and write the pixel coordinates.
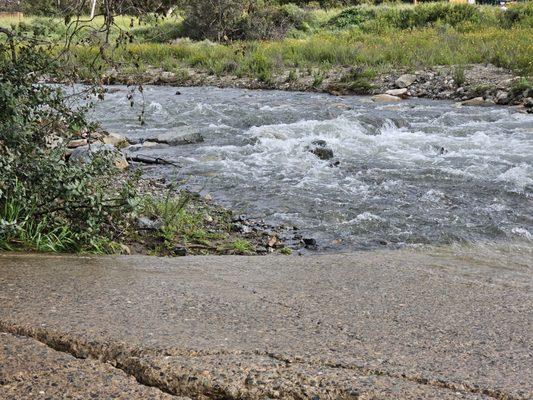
(11, 39)
(140, 158)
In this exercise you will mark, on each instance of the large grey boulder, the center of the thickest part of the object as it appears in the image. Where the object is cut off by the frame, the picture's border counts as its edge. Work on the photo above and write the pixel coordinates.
(405, 80)
(85, 154)
(178, 137)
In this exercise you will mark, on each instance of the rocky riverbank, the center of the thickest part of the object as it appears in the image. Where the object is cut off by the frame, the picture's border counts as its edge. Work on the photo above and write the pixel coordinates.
(173, 221)
(470, 85)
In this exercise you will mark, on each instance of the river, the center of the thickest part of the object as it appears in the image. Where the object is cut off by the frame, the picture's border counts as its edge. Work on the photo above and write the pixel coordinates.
(415, 172)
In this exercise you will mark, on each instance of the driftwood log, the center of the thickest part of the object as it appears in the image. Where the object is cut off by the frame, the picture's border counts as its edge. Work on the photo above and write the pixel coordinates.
(144, 159)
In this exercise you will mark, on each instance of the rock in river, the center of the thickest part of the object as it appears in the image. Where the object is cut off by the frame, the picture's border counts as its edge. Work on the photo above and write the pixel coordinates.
(319, 148)
(385, 98)
(476, 101)
(180, 136)
(116, 140)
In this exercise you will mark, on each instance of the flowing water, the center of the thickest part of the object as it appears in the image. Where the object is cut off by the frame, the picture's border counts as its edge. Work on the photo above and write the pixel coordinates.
(414, 172)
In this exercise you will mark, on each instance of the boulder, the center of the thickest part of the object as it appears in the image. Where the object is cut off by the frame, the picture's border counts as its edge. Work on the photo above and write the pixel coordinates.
(397, 92)
(178, 137)
(405, 80)
(385, 98)
(502, 97)
(85, 154)
(115, 139)
(476, 101)
(319, 148)
(146, 146)
(147, 224)
(77, 143)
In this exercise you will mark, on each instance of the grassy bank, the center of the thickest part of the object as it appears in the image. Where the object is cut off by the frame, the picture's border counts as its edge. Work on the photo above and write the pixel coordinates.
(378, 38)
(381, 52)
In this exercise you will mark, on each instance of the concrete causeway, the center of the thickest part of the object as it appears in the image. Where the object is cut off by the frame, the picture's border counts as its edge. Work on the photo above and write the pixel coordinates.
(428, 323)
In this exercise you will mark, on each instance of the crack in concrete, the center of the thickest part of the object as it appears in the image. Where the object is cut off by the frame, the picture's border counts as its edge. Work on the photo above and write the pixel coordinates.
(56, 346)
(438, 383)
(135, 362)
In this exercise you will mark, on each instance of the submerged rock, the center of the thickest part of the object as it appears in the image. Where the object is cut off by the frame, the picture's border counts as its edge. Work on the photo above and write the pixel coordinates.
(397, 92)
(385, 98)
(310, 243)
(319, 148)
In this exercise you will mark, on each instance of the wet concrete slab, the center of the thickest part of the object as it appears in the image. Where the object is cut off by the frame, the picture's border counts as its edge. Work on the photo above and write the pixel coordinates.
(32, 370)
(432, 323)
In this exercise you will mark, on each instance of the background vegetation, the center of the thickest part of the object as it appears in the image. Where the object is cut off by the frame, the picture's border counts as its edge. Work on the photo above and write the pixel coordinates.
(254, 38)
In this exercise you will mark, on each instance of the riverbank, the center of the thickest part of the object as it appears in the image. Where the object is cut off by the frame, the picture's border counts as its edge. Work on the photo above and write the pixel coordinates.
(476, 84)
(442, 51)
(173, 221)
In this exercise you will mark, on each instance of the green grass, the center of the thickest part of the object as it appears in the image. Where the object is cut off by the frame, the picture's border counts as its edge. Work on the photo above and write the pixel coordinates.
(382, 52)
(19, 231)
(380, 38)
(286, 251)
(241, 246)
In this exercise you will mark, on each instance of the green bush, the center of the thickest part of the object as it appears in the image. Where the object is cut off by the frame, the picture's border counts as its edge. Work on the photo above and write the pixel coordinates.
(47, 203)
(161, 33)
(43, 28)
(352, 17)
(272, 22)
(517, 15)
(463, 16)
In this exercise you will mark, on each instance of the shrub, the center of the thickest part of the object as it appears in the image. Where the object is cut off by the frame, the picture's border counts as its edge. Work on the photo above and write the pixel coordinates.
(47, 203)
(260, 66)
(465, 16)
(43, 28)
(272, 22)
(160, 33)
(350, 17)
(215, 20)
(517, 14)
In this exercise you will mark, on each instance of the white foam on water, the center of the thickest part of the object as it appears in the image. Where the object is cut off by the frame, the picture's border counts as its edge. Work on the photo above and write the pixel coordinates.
(519, 176)
(522, 232)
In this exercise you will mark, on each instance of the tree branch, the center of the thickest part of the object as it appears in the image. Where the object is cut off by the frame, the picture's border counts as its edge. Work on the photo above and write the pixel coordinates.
(10, 37)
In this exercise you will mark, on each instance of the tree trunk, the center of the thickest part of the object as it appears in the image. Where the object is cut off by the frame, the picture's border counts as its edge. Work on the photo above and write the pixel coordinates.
(93, 9)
